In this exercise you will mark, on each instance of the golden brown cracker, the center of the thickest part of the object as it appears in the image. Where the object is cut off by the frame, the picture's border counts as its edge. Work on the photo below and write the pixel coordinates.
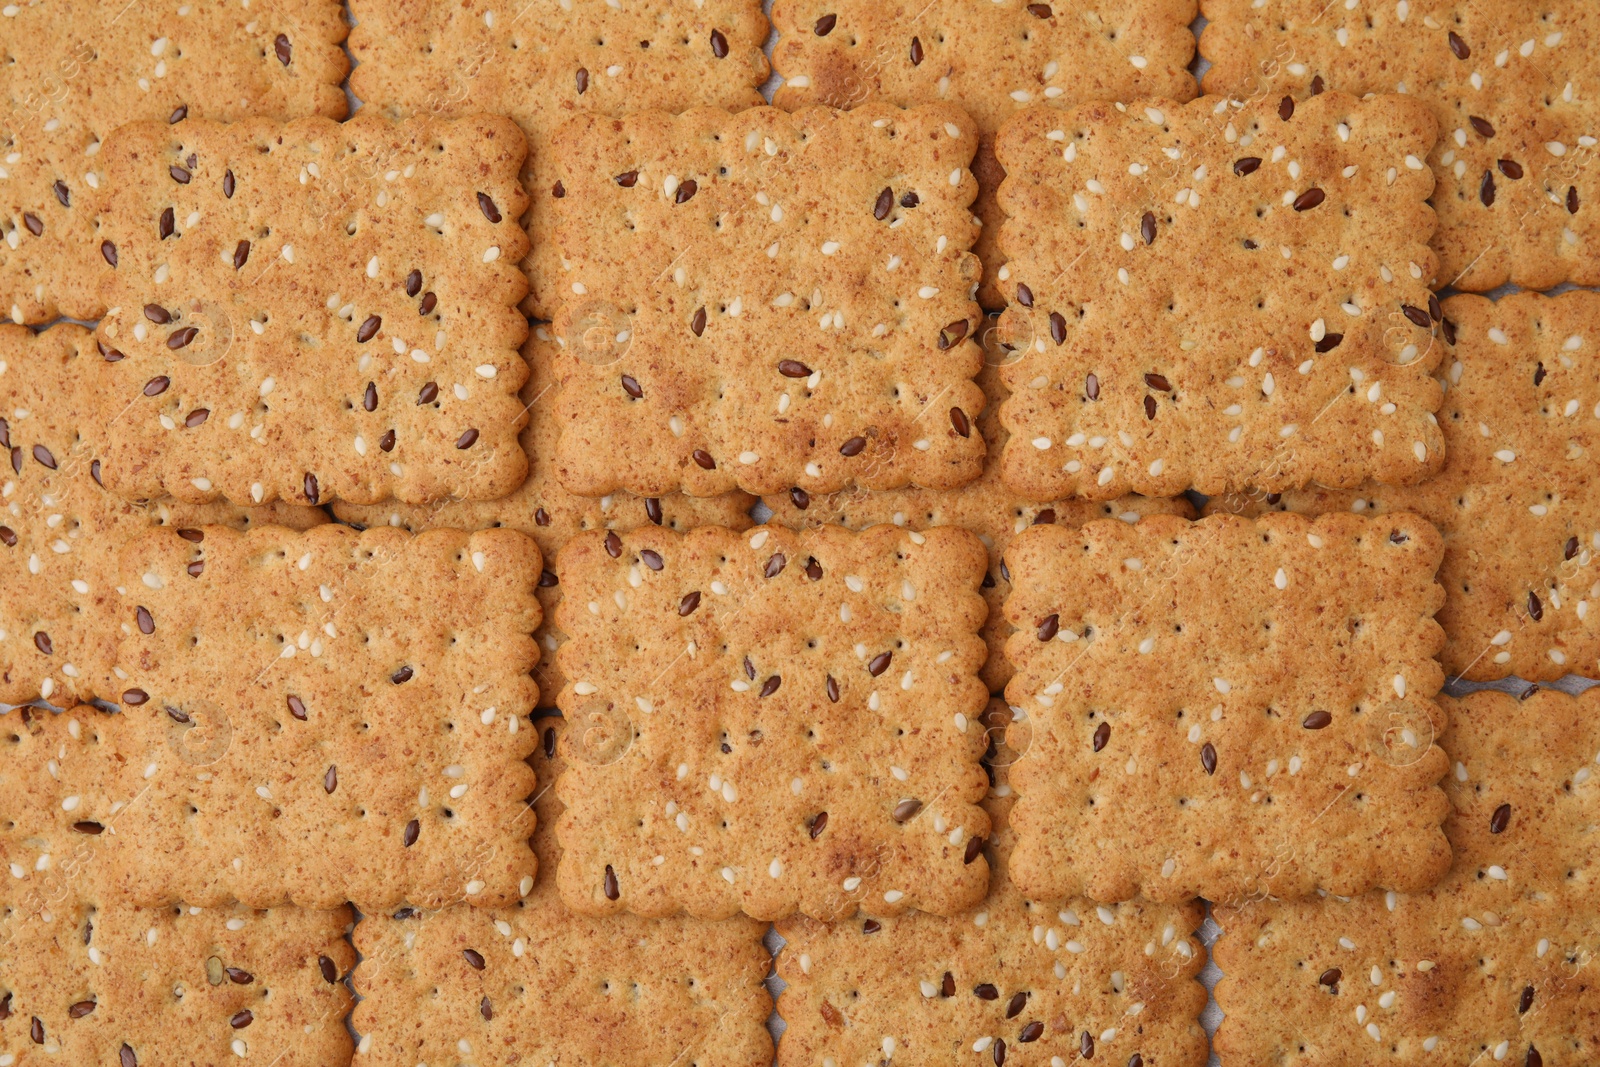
(313, 311)
(328, 716)
(1195, 287)
(764, 300)
(772, 722)
(1226, 708)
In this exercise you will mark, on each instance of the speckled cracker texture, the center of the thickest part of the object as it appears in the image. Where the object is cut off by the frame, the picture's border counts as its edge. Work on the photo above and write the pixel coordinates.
(106, 983)
(1015, 981)
(1508, 82)
(60, 531)
(549, 514)
(985, 507)
(765, 300)
(1226, 708)
(1490, 966)
(772, 722)
(545, 61)
(1195, 287)
(1518, 501)
(74, 71)
(409, 658)
(536, 981)
(333, 315)
(992, 59)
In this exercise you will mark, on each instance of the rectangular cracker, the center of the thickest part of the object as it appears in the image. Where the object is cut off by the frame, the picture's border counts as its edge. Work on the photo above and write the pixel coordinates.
(1518, 501)
(324, 286)
(1488, 967)
(1506, 83)
(985, 507)
(992, 59)
(620, 990)
(1015, 981)
(75, 72)
(1145, 372)
(410, 659)
(60, 531)
(738, 316)
(103, 982)
(543, 63)
(1195, 700)
(546, 512)
(753, 683)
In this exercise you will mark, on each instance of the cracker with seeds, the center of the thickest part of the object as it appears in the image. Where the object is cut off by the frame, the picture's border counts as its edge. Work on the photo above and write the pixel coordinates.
(60, 531)
(313, 311)
(75, 71)
(1018, 981)
(1517, 195)
(549, 514)
(772, 722)
(1487, 967)
(538, 981)
(328, 716)
(106, 983)
(1196, 286)
(546, 61)
(985, 507)
(764, 300)
(1226, 707)
(1518, 501)
(992, 59)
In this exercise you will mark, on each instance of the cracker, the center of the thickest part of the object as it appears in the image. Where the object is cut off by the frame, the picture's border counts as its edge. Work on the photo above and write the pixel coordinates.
(360, 281)
(725, 712)
(107, 983)
(1147, 374)
(985, 507)
(549, 514)
(1487, 967)
(1209, 709)
(410, 659)
(1505, 82)
(60, 531)
(992, 59)
(737, 316)
(426, 57)
(559, 987)
(74, 72)
(1518, 501)
(1112, 981)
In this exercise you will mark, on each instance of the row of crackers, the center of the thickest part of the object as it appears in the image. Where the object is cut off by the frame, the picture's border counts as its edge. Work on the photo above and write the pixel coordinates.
(790, 725)
(1507, 85)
